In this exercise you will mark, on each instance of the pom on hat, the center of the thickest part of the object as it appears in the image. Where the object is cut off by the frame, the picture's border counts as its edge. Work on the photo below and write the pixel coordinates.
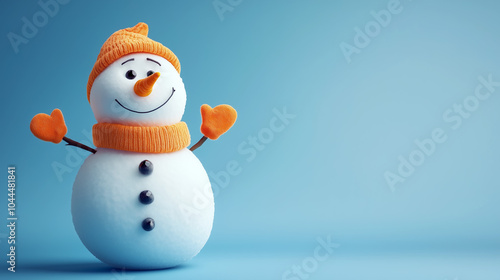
(126, 41)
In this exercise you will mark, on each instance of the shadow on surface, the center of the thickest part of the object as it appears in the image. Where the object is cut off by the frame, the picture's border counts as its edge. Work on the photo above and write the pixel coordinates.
(84, 267)
(69, 266)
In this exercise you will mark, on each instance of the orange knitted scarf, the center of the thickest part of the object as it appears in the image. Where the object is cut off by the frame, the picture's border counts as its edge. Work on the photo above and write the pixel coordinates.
(142, 139)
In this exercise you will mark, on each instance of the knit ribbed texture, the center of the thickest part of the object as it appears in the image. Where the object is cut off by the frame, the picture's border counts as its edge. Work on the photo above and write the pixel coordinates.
(127, 41)
(142, 139)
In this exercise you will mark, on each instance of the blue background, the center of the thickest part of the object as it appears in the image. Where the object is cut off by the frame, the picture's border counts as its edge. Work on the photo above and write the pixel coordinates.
(322, 175)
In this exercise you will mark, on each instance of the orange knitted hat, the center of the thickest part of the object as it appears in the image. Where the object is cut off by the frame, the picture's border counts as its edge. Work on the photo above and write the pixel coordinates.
(126, 41)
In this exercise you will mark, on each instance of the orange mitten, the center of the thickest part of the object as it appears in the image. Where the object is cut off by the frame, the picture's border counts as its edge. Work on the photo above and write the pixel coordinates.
(216, 121)
(49, 128)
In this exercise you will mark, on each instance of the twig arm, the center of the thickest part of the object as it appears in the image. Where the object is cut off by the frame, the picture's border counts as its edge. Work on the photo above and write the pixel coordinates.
(72, 142)
(198, 144)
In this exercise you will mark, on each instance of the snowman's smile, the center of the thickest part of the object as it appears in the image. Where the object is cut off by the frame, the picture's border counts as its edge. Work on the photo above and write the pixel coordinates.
(145, 112)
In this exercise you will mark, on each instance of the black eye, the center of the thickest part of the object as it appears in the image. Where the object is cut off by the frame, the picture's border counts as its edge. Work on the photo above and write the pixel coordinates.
(150, 72)
(130, 74)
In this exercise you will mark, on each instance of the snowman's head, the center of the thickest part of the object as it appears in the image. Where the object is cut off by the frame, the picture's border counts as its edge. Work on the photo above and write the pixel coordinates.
(135, 81)
(139, 89)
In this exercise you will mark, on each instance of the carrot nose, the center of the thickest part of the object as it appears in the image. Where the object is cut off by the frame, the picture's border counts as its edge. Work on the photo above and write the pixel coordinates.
(144, 87)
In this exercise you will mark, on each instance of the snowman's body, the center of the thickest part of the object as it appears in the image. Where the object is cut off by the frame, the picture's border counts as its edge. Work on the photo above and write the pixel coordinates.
(108, 212)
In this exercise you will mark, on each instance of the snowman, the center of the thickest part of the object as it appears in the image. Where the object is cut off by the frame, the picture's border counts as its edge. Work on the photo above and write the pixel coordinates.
(131, 194)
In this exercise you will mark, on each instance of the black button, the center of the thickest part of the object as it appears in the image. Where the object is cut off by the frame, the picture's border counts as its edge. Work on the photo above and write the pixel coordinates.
(146, 167)
(148, 224)
(146, 197)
